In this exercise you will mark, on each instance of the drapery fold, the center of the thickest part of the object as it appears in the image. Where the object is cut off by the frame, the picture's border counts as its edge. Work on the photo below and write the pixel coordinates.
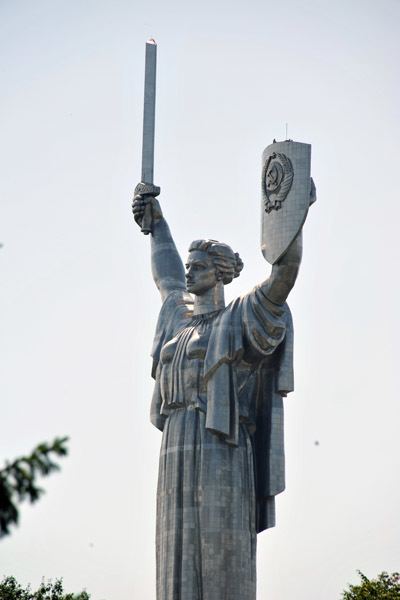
(247, 369)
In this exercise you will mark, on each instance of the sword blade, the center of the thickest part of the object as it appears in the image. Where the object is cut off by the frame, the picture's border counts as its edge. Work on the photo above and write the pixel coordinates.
(149, 112)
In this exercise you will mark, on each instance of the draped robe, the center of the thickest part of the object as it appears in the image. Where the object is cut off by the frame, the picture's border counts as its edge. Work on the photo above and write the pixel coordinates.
(219, 383)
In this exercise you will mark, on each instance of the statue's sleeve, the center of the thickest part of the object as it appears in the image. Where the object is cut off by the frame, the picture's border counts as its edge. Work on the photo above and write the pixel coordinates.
(264, 325)
(174, 315)
(268, 330)
(175, 312)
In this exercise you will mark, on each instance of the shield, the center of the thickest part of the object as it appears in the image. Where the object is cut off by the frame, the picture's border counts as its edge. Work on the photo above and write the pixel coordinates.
(286, 191)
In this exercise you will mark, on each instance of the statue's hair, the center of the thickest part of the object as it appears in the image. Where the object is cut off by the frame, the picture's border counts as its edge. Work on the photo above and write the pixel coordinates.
(228, 263)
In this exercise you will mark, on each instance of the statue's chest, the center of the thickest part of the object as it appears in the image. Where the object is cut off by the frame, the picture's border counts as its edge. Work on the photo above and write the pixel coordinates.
(190, 343)
(182, 360)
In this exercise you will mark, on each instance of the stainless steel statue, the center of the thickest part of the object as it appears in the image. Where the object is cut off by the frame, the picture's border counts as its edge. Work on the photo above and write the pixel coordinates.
(220, 374)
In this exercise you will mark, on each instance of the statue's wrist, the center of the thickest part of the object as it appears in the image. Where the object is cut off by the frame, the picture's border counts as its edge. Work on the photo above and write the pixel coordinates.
(160, 227)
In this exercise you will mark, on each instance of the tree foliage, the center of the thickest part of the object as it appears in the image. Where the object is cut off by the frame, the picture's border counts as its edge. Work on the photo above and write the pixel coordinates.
(18, 480)
(10, 589)
(385, 587)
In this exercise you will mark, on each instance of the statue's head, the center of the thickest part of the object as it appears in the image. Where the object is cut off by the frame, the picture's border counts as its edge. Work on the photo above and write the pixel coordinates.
(209, 264)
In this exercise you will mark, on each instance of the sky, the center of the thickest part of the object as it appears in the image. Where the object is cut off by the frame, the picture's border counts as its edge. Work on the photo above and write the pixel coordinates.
(78, 305)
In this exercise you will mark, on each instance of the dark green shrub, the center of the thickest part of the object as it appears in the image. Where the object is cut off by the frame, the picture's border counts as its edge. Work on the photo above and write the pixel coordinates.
(11, 590)
(384, 587)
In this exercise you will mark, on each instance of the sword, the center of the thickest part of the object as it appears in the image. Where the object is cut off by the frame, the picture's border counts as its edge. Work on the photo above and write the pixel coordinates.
(146, 186)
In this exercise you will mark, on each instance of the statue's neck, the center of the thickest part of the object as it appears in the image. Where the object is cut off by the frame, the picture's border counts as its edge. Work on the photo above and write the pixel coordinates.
(212, 300)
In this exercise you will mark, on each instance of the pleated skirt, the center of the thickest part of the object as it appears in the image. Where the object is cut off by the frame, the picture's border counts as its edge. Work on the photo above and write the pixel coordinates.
(206, 537)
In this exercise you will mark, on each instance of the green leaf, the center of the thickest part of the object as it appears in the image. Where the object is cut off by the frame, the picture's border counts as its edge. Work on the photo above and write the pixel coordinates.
(18, 479)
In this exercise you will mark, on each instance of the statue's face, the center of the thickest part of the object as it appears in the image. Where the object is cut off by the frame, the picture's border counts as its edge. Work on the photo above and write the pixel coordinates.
(200, 273)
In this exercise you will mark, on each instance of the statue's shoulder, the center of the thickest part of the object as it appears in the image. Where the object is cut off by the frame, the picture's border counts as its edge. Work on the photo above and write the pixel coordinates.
(175, 313)
(178, 304)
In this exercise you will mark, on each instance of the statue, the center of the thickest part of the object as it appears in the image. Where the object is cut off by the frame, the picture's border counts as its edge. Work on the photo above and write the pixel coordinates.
(220, 374)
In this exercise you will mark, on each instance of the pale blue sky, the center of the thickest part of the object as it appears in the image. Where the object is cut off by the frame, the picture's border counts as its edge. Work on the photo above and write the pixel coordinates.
(78, 305)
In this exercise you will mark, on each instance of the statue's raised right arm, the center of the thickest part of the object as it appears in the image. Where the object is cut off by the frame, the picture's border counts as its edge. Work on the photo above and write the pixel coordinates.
(166, 264)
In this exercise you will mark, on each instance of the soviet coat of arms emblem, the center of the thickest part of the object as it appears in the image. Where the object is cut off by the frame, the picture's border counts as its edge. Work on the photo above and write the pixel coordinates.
(277, 178)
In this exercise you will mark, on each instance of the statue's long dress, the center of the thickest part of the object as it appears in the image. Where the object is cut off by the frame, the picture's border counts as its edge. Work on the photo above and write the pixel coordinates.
(218, 378)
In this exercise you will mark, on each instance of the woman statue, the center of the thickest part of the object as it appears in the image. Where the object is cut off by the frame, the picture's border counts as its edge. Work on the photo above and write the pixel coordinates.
(220, 373)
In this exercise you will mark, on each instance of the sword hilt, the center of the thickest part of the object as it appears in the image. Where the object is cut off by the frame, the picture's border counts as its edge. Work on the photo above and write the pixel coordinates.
(147, 189)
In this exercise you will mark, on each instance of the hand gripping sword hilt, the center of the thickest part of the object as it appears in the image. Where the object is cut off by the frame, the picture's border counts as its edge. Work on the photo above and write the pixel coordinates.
(147, 189)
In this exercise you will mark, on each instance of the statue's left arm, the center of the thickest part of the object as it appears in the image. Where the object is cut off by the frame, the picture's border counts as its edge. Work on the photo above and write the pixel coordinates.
(284, 273)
